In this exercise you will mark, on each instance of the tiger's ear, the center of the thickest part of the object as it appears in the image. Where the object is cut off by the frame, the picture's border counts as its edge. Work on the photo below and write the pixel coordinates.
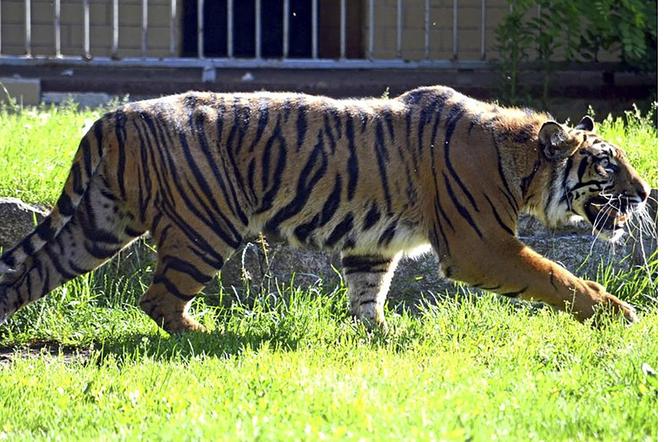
(555, 142)
(586, 123)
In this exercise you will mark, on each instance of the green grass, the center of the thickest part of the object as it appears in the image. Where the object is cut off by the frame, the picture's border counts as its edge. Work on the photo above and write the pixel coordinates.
(297, 366)
(36, 150)
(635, 133)
(293, 365)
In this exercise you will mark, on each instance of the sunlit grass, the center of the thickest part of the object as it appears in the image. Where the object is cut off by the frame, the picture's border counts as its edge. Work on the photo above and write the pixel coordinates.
(293, 365)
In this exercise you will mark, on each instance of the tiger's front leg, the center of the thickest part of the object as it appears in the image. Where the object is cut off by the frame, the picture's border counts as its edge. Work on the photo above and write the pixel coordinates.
(513, 269)
(368, 278)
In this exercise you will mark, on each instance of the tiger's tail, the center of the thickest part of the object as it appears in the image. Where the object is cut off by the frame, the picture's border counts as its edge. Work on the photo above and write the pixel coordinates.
(87, 160)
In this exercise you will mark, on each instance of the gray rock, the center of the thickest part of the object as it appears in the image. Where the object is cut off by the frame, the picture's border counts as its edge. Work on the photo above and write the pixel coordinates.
(262, 265)
(17, 219)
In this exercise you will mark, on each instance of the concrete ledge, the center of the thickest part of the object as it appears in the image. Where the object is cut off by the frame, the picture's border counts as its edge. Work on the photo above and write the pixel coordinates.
(26, 91)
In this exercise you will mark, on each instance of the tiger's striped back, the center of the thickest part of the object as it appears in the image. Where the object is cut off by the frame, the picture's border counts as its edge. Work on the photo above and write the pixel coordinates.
(371, 178)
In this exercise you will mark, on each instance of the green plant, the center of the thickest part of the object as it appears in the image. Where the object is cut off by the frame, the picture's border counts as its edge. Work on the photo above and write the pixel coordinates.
(514, 39)
(570, 30)
(628, 26)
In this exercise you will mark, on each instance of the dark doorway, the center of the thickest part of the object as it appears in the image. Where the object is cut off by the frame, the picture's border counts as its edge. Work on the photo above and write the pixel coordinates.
(244, 26)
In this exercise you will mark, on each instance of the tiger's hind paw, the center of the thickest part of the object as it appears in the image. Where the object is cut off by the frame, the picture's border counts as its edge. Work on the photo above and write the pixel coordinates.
(179, 325)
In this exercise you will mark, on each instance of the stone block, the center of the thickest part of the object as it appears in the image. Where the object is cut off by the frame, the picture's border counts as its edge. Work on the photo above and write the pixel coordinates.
(26, 91)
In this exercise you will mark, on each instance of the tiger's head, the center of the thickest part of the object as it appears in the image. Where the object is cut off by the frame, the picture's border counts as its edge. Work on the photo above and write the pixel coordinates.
(590, 180)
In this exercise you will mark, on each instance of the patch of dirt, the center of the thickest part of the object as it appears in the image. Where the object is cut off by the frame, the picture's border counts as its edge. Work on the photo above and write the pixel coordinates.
(34, 350)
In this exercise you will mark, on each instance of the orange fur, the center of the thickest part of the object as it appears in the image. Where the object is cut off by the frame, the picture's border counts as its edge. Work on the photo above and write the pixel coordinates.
(370, 178)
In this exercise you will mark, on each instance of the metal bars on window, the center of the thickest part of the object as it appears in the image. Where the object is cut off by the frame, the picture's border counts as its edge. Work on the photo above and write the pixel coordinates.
(115, 43)
(28, 29)
(375, 30)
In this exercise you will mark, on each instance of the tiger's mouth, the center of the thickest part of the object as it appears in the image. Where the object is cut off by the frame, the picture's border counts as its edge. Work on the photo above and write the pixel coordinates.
(606, 218)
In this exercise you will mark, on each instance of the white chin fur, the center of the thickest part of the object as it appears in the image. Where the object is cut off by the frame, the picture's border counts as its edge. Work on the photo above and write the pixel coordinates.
(576, 219)
(611, 236)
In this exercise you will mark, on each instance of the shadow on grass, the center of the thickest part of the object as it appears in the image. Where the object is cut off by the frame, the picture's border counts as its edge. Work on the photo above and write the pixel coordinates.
(157, 347)
(181, 347)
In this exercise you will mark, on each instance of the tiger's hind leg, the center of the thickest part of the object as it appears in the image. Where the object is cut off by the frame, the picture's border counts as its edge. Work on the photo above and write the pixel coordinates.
(184, 267)
(368, 278)
(99, 228)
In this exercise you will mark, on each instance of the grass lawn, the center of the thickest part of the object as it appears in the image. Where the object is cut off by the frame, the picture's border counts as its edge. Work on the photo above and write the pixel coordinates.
(86, 363)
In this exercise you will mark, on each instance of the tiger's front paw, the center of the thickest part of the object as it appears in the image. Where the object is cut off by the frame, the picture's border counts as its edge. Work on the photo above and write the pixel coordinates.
(621, 307)
(611, 303)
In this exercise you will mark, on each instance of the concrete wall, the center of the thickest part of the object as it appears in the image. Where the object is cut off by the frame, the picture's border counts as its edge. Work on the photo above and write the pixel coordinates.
(101, 19)
(441, 13)
(12, 28)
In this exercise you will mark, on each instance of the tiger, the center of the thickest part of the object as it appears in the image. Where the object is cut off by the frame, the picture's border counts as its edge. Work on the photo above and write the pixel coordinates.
(373, 179)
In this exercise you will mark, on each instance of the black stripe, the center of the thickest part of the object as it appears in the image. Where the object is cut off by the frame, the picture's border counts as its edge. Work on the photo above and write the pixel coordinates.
(251, 174)
(182, 266)
(387, 117)
(165, 154)
(99, 135)
(86, 221)
(223, 180)
(460, 208)
(372, 216)
(215, 263)
(337, 121)
(364, 260)
(65, 205)
(305, 186)
(77, 180)
(232, 238)
(439, 208)
(409, 123)
(121, 135)
(453, 117)
(382, 157)
(198, 127)
(221, 112)
(184, 195)
(132, 232)
(163, 235)
(495, 214)
(340, 230)
(597, 183)
(243, 119)
(352, 165)
(76, 268)
(332, 203)
(57, 264)
(159, 168)
(45, 230)
(388, 234)
(507, 192)
(286, 107)
(515, 294)
(301, 125)
(171, 288)
(193, 235)
(328, 132)
(26, 244)
(271, 193)
(330, 207)
(263, 118)
(8, 259)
